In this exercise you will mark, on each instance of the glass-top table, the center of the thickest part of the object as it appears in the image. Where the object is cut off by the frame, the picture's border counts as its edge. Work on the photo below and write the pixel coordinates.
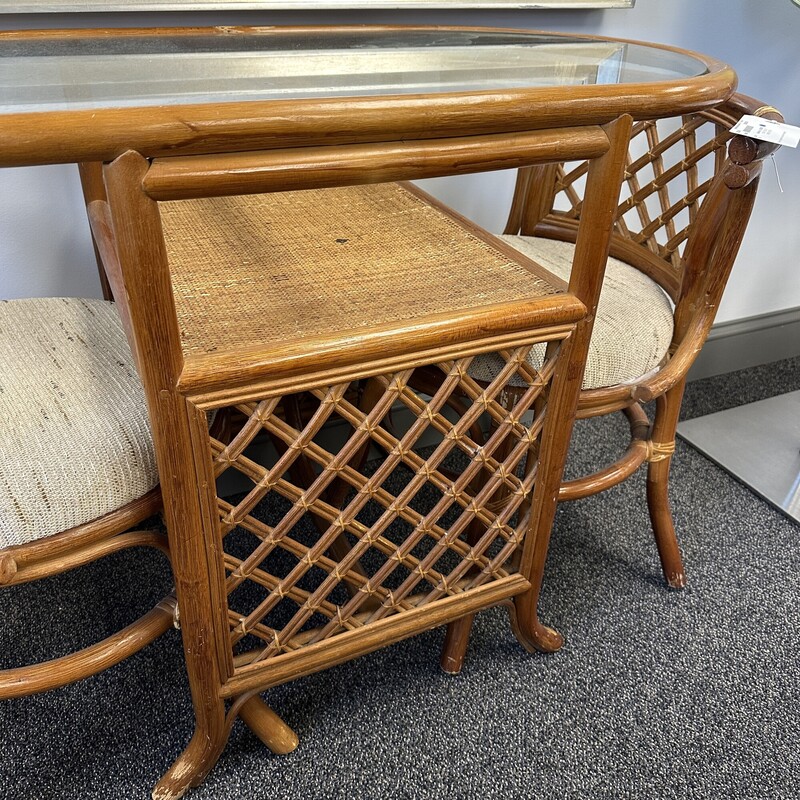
(247, 116)
(148, 69)
(82, 95)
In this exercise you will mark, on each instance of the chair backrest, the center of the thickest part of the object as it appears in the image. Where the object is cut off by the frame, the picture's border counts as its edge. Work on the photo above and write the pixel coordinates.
(686, 199)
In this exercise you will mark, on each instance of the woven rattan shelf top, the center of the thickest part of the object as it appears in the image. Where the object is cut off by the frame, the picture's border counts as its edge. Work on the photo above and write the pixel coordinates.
(259, 272)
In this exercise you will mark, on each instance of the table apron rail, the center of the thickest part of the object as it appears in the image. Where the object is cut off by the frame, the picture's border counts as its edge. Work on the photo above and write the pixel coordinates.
(347, 165)
(364, 640)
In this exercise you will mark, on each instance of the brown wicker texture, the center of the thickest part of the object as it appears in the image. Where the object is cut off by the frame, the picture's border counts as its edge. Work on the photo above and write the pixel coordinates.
(246, 270)
(309, 315)
(397, 550)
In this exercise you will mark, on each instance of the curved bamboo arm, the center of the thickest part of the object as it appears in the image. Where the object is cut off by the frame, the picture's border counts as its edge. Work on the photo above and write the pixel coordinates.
(61, 544)
(12, 574)
(680, 363)
(36, 678)
(636, 454)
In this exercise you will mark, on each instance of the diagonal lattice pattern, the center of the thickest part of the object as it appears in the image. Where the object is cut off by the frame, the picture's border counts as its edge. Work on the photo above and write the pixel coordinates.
(346, 551)
(669, 170)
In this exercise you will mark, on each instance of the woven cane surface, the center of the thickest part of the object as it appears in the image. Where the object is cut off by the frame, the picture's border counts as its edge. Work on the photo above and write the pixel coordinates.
(285, 266)
(670, 167)
(345, 551)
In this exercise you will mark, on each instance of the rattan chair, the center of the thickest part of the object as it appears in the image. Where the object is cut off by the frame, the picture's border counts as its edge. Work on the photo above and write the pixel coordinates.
(77, 465)
(682, 214)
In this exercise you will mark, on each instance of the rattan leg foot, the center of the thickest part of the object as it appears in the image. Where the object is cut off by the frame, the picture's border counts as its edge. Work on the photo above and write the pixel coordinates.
(534, 636)
(268, 726)
(194, 763)
(540, 639)
(455, 645)
(666, 421)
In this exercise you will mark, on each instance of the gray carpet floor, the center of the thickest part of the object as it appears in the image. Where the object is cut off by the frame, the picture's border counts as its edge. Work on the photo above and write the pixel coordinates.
(656, 693)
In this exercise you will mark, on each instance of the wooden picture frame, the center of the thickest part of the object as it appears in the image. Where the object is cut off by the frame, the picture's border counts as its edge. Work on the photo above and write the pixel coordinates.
(65, 6)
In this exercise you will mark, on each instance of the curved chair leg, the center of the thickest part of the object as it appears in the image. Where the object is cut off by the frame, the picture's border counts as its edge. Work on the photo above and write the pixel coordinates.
(42, 677)
(523, 609)
(663, 445)
(531, 633)
(634, 456)
(55, 673)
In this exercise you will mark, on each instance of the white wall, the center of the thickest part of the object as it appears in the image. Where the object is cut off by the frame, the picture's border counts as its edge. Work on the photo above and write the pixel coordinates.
(44, 243)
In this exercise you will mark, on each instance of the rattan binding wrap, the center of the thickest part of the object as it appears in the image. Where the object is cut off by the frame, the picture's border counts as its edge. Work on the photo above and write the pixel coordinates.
(245, 270)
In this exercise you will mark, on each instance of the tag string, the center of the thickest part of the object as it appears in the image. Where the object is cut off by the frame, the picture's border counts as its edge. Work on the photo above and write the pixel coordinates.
(777, 175)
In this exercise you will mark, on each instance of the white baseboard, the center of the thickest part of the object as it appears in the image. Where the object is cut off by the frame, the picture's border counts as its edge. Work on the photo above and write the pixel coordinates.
(749, 342)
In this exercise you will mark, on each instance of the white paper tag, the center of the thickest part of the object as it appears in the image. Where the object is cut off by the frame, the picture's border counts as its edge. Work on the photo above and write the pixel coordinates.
(767, 130)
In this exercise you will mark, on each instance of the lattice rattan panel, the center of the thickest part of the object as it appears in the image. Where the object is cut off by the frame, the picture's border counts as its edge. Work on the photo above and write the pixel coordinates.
(670, 166)
(372, 498)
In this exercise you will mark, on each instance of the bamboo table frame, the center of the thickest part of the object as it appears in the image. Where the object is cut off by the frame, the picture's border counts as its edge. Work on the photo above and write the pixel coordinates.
(103, 133)
(211, 149)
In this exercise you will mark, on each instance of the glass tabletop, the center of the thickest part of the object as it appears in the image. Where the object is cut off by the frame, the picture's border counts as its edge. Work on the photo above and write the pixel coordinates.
(64, 71)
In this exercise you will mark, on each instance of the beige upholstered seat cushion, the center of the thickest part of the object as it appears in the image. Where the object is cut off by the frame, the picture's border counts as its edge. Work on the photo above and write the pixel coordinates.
(633, 329)
(75, 439)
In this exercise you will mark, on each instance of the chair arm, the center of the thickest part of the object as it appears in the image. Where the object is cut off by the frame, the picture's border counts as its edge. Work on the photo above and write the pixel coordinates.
(681, 360)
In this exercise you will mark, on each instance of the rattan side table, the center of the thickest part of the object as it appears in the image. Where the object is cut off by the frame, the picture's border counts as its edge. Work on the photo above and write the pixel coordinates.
(302, 317)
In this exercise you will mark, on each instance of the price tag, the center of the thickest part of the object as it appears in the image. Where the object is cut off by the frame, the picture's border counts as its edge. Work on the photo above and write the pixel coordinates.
(767, 131)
